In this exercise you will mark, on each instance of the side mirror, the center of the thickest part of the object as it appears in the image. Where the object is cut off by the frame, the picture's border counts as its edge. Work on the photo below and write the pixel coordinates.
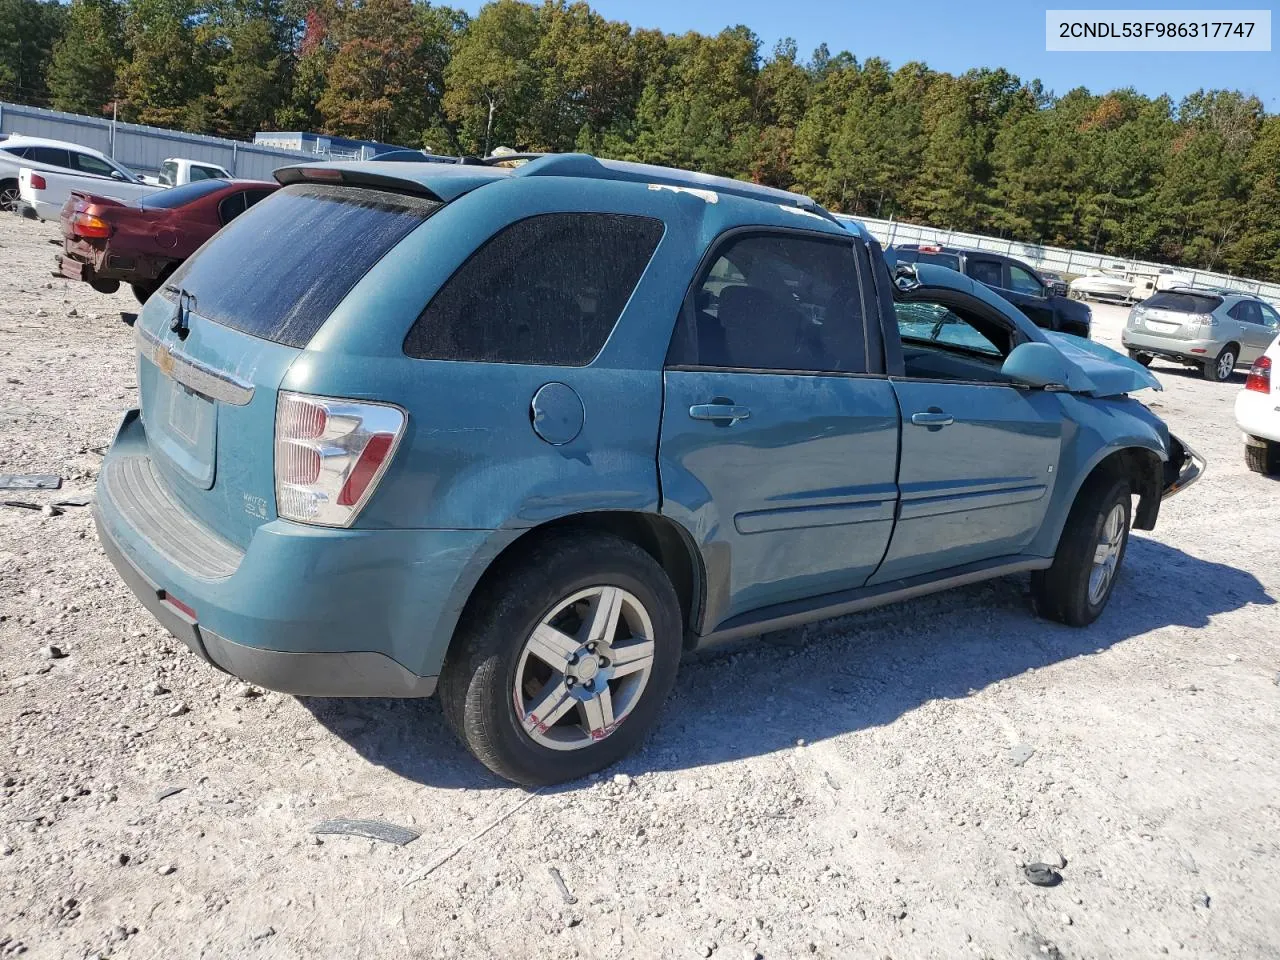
(1036, 365)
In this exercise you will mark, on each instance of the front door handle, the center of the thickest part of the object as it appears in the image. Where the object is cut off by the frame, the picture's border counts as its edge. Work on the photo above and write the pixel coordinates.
(723, 414)
(933, 418)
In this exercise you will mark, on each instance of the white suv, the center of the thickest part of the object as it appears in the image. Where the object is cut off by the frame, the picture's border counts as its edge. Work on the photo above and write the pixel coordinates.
(39, 154)
(1258, 414)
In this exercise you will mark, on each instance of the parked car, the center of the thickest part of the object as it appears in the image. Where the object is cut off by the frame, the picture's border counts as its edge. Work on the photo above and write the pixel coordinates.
(43, 157)
(1014, 280)
(1258, 414)
(1200, 328)
(692, 413)
(1056, 282)
(107, 243)
(175, 171)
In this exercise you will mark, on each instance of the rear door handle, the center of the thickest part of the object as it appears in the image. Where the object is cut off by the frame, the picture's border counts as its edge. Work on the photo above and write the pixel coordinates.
(934, 418)
(725, 414)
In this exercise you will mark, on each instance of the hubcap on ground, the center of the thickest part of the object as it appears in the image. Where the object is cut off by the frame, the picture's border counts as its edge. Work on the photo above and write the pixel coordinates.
(584, 668)
(1226, 364)
(1106, 555)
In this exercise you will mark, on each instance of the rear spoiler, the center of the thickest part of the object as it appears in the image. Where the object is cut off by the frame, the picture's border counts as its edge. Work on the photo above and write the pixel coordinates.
(321, 173)
(80, 195)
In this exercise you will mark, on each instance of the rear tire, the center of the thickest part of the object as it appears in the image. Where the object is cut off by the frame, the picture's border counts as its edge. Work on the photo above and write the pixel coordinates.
(495, 682)
(8, 195)
(1140, 357)
(1075, 590)
(1221, 367)
(105, 286)
(1262, 456)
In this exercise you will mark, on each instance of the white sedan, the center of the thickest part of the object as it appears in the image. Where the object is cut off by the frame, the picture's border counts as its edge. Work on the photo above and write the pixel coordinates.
(1258, 414)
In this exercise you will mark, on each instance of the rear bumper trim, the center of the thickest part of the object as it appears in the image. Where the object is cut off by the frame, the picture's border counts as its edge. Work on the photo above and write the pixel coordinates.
(328, 674)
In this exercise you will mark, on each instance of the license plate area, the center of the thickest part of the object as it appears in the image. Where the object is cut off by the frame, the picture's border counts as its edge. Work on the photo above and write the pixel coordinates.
(1162, 326)
(187, 429)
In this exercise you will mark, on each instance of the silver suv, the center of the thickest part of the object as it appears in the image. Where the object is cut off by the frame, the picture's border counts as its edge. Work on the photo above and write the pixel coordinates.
(1212, 331)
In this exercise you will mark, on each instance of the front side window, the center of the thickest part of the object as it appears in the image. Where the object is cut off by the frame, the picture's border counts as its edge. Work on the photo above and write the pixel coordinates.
(1021, 281)
(548, 289)
(932, 323)
(775, 302)
(87, 164)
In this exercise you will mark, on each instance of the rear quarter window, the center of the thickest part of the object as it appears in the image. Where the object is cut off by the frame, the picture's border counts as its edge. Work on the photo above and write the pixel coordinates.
(1183, 302)
(545, 290)
(280, 268)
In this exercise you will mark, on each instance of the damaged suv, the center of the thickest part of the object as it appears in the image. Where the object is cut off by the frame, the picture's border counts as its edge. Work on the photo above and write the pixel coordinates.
(526, 435)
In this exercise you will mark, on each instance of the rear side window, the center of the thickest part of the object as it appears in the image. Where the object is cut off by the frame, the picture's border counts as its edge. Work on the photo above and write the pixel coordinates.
(775, 302)
(87, 164)
(53, 156)
(986, 271)
(1183, 302)
(545, 290)
(279, 269)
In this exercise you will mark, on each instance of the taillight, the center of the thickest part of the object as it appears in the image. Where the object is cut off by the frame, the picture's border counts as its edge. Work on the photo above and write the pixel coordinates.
(1259, 376)
(38, 182)
(330, 455)
(87, 225)
(1207, 320)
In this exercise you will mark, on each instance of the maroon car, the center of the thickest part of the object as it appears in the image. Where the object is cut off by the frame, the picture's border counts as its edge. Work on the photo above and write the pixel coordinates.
(107, 242)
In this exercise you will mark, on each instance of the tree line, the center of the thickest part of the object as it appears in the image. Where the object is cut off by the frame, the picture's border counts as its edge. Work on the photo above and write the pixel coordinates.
(1195, 183)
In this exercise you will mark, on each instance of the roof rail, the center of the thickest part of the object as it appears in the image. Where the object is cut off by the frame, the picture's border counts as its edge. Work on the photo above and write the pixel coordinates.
(588, 167)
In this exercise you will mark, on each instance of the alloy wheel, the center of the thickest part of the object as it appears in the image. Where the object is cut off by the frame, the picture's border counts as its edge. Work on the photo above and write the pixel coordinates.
(9, 199)
(584, 668)
(1226, 364)
(1106, 555)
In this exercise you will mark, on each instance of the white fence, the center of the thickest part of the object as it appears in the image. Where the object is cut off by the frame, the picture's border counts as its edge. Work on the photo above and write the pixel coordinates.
(889, 232)
(143, 149)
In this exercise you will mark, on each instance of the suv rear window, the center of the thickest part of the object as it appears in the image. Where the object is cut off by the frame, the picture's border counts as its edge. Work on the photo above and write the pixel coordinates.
(1183, 302)
(545, 290)
(278, 270)
(949, 260)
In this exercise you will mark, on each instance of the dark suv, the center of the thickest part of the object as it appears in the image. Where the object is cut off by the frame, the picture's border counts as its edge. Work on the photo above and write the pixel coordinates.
(1012, 279)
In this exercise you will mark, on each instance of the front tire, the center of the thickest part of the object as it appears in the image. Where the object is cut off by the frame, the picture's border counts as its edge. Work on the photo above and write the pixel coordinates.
(564, 659)
(1262, 456)
(1222, 366)
(1076, 588)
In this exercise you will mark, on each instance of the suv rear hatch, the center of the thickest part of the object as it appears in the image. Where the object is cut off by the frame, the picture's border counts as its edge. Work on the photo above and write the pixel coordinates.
(1178, 314)
(216, 344)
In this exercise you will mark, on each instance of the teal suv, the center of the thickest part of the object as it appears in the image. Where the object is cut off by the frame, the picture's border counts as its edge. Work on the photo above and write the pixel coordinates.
(526, 435)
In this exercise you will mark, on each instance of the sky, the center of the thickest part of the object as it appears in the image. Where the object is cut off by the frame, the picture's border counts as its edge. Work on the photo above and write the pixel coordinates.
(960, 34)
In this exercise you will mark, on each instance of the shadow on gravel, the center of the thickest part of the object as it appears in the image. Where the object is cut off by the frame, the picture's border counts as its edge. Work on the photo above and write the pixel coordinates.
(1237, 378)
(837, 676)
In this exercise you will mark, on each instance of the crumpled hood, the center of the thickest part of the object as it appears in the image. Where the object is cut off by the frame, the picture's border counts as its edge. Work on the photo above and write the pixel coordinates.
(1103, 372)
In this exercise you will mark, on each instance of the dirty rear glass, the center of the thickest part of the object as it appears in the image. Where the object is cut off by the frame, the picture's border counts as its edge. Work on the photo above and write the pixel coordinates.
(1183, 302)
(548, 289)
(278, 270)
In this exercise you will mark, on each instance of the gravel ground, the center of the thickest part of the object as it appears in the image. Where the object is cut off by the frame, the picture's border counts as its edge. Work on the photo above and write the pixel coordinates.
(861, 788)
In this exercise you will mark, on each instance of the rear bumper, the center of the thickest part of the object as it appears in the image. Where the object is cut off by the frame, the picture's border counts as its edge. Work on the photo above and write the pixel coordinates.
(1183, 351)
(1258, 414)
(305, 610)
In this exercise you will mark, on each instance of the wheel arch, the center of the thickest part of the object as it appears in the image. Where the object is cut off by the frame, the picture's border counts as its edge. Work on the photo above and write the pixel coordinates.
(1141, 463)
(662, 538)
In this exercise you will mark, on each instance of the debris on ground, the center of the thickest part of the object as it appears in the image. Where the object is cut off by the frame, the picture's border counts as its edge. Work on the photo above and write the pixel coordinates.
(565, 895)
(372, 829)
(1042, 875)
(1020, 753)
(30, 481)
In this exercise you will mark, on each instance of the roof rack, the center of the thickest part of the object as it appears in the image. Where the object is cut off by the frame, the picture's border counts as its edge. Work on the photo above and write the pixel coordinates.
(588, 167)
